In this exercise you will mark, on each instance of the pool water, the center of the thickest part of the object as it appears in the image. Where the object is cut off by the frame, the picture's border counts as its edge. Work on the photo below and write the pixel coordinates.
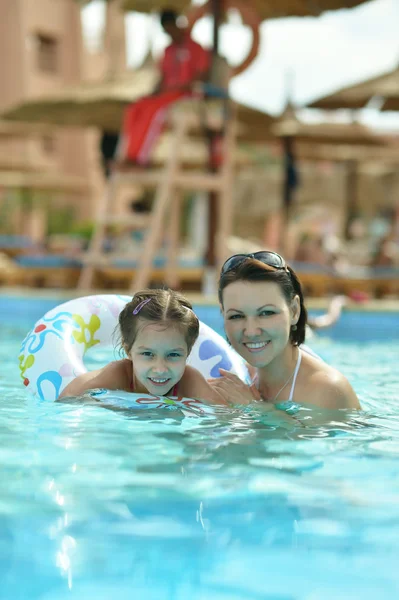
(231, 506)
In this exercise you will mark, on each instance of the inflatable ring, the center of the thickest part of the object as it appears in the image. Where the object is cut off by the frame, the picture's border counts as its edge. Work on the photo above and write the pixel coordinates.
(52, 353)
(249, 17)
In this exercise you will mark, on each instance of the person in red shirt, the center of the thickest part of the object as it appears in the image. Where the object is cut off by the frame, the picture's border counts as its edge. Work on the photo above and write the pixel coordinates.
(184, 62)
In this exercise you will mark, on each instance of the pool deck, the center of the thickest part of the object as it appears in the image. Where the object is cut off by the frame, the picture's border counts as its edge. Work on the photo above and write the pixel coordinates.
(385, 305)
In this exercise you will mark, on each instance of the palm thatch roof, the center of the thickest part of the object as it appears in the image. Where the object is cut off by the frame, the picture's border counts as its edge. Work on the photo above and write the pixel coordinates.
(358, 95)
(102, 104)
(266, 9)
(45, 182)
(327, 133)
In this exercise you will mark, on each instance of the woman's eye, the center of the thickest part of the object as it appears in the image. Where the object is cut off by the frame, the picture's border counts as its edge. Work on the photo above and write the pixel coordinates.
(266, 313)
(234, 317)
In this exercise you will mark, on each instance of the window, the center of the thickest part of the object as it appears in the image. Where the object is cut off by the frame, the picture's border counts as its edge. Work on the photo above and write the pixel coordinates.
(47, 53)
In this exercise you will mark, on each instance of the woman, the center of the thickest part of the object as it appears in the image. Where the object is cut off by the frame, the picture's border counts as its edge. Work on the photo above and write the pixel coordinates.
(265, 319)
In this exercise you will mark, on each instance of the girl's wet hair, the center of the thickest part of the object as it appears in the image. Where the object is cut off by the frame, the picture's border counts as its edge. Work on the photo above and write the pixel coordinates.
(159, 306)
(253, 270)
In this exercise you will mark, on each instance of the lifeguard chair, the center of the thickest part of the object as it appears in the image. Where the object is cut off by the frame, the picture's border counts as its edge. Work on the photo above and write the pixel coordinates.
(214, 115)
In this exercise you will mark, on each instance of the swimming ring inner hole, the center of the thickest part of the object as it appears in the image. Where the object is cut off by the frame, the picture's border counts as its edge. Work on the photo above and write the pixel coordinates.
(52, 353)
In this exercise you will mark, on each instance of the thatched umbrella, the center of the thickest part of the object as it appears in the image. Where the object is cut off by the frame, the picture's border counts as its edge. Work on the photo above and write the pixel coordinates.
(14, 130)
(359, 95)
(267, 9)
(328, 133)
(88, 104)
(102, 104)
(291, 131)
(45, 182)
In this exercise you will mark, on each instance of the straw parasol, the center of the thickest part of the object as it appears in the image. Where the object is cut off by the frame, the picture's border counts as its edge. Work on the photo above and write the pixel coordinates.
(15, 130)
(324, 152)
(292, 131)
(91, 104)
(327, 133)
(46, 182)
(357, 96)
(102, 104)
(266, 9)
(256, 9)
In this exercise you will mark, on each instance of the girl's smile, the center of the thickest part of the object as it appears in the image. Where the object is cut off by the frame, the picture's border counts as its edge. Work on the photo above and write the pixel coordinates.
(159, 357)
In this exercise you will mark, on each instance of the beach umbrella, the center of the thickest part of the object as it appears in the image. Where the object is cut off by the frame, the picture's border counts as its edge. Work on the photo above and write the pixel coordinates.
(327, 133)
(291, 131)
(266, 9)
(252, 13)
(43, 182)
(385, 86)
(87, 104)
(102, 104)
(22, 130)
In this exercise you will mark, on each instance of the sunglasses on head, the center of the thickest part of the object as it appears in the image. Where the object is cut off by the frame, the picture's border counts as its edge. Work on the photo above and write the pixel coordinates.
(271, 259)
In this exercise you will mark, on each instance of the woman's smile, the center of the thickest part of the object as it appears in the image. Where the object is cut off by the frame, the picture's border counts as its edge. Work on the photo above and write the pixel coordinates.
(256, 346)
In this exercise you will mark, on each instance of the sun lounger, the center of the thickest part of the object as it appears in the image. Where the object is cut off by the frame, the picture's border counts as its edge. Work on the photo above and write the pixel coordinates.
(49, 270)
(119, 273)
(13, 245)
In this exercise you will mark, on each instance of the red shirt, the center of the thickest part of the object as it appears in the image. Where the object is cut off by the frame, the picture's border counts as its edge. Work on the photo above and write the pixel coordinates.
(182, 62)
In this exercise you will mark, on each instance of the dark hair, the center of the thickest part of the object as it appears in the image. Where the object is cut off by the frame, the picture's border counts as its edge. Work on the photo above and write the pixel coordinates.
(168, 16)
(253, 270)
(160, 306)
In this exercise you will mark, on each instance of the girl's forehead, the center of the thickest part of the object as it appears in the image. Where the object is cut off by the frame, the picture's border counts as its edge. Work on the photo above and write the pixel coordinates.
(159, 334)
(251, 294)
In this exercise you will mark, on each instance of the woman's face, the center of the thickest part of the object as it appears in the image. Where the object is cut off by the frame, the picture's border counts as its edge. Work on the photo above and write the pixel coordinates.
(258, 320)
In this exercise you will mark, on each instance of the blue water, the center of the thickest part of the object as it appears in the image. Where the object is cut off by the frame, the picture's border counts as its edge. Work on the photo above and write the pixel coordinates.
(234, 506)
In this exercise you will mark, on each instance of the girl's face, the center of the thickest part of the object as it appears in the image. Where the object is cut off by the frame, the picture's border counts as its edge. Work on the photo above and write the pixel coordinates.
(258, 320)
(159, 354)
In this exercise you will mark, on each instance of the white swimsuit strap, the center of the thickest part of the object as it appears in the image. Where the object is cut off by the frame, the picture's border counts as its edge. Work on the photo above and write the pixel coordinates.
(298, 364)
(255, 380)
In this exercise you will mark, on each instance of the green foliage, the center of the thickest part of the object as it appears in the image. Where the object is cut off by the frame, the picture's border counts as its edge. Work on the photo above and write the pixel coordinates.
(60, 220)
(83, 229)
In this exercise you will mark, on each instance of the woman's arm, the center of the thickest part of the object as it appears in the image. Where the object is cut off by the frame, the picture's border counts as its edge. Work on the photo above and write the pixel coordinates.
(114, 376)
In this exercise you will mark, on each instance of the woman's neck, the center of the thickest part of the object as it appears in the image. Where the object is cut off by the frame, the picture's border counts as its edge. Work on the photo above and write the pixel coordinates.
(275, 374)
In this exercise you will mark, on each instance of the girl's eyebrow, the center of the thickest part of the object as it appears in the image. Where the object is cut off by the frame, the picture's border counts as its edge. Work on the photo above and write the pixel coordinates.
(152, 349)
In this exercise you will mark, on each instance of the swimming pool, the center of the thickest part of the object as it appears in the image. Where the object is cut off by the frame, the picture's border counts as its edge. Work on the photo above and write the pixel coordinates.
(101, 505)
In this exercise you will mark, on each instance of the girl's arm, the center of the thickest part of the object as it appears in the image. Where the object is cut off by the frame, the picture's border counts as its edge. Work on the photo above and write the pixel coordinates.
(114, 376)
(194, 385)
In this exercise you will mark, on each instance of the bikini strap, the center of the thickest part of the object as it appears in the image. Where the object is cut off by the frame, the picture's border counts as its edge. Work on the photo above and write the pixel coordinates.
(298, 364)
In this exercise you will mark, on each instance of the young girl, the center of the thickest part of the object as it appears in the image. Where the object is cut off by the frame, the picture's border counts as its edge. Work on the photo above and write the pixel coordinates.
(158, 329)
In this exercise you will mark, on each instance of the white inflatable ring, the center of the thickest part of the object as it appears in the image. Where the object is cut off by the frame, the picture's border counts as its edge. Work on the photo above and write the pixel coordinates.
(52, 353)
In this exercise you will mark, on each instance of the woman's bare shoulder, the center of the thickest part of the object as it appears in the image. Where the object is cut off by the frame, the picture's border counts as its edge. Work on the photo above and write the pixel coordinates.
(326, 386)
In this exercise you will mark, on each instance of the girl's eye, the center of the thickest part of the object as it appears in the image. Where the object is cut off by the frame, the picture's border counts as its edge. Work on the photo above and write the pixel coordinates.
(234, 317)
(147, 353)
(174, 355)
